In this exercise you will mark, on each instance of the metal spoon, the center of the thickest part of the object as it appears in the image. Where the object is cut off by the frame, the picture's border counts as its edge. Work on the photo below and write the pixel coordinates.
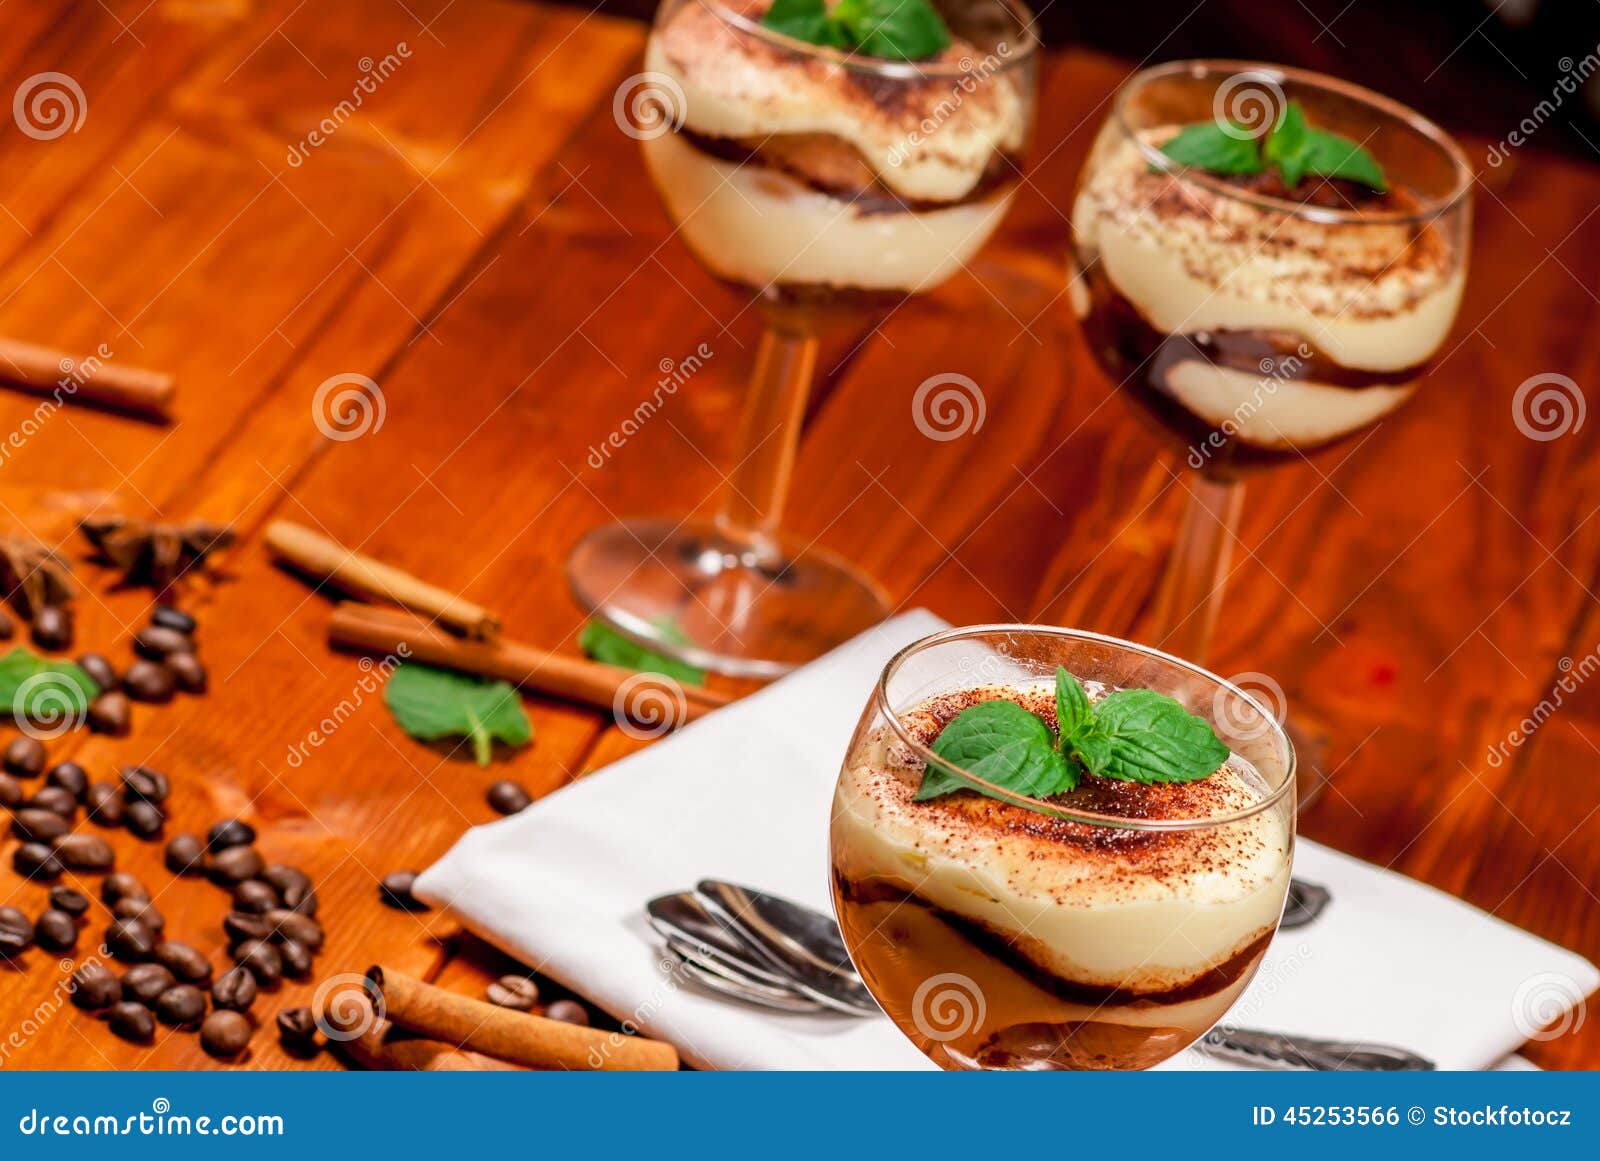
(1278, 1050)
(682, 917)
(725, 982)
(1306, 901)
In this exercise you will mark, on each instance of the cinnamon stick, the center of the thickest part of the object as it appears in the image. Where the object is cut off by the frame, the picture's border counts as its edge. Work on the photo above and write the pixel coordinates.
(649, 699)
(46, 371)
(375, 1043)
(512, 1036)
(362, 576)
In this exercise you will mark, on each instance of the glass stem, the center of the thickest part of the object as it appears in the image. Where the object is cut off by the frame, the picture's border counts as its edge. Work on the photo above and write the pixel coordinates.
(1191, 589)
(769, 434)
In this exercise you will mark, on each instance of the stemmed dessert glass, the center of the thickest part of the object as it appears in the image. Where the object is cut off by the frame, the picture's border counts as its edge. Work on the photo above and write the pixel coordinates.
(1109, 927)
(819, 183)
(1257, 322)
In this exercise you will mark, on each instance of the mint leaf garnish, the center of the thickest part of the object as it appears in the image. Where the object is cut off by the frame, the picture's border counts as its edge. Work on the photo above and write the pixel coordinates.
(43, 690)
(603, 643)
(1001, 743)
(1215, 149)
(1293, 147)
(890, 29)
(1151, 738)
(433, 703)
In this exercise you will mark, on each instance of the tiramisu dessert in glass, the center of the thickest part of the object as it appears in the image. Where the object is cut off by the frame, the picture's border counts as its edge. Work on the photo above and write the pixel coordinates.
(819, 155)
(1057, 850)
(1268, 260)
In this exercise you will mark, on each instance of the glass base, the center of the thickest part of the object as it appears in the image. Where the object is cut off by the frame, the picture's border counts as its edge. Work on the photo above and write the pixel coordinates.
(689, 591)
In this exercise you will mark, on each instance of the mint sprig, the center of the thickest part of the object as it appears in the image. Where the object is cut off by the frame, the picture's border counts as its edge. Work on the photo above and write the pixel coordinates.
(1293, 147)
(602, 643)
(1133, 735)
(431, 703)
(890, 29)
(44, 690)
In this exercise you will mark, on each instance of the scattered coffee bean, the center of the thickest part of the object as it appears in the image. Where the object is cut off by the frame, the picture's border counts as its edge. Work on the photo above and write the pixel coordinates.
(185, 855)
(255, 896)
(297, 1028)
(74, 903)
(225, 1034)
(296, 959)
(262, 959)
(56, 801)
(396, 888)
(285, 877)
(94, 986)
(11, 792)
(302, 929)
(242, 926)
(145, 784)
(169, 618)
(100, 671)
(149, 681)
(68, 776)
(132, 1021)
(157, 642)
(234, 865)
(24, 757)
(105, 804)
(55, 930)
(303, 902)
(144, 820)
(229, 833)
(32, 824)
(85, 852)
(121, 885)
(568, 1012)
(188, 672)
(111, 714)
(52, 628)
(144, 982)
(6, 628)
(16, 932)
(142, 910)
(184, 962)
(234, 990)
(130, 940)
(182, 1006)
(516, 992)
(36, 861)
(508, 797)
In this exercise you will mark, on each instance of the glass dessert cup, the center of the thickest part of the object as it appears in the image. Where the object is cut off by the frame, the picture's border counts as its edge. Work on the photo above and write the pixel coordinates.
(1109, 927)
(1257, 324)
(822, 184)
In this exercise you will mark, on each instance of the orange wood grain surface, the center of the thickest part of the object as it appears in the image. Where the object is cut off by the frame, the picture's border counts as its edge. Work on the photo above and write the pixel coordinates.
(479, 240)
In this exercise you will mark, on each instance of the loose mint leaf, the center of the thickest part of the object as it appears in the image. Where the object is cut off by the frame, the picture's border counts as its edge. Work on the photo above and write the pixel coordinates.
(891, 29)
(433, 703)
(42, 690)
(1073, 711)
(1297, 150)
(603, 643)
(1210, 147)
(805, 20)
(1149, 737)
(1003, 744)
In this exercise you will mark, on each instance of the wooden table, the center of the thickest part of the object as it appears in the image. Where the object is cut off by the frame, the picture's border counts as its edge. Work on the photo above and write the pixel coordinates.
(478, 239)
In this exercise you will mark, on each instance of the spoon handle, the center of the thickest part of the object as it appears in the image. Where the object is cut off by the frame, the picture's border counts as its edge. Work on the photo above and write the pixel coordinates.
(1278, 1050)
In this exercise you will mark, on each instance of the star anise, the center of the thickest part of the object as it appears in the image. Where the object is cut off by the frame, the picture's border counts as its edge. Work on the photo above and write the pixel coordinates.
(32, 576)
(147, 552)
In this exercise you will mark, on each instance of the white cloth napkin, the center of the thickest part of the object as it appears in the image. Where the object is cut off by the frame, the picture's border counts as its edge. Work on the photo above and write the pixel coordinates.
(744, 795)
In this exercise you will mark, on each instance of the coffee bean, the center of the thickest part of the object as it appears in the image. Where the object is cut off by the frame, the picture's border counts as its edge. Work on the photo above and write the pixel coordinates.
(36, 861)
(229, 833)
(6, 628)
(157, 642)
(516, 992)
(234, 865)
(130, 940)
(144, 820)
(74, 903)
(254, 896)
(94, 986)
(68, 776)
(100, 671)
(16, 932)
(184, 962)
(170, 618)
(297, 1028)
(234, 990)
(242, 927)
(121, 885)
(34, 825)
(395, 890)
(296, 959)
(284, 877)
(568, 1012)
(182, 1006)
(55, 930)
(188, 672)
(132, 1021)
(105, 804)
(302, 929)
(144, 982)
(185, 855)
(24, 757)
(263, 960)
(111, 714)
(52, 628)
(149, 681)
(302, 902)
(11, 792)
(225, 1034)
(56, 801)
(142, 783)
(142, 910)
(508, 797)
(85, 852)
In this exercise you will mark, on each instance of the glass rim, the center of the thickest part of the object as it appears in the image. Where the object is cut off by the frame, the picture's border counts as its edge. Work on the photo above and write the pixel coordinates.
(1422, 126)
(900, 69)
(1055, 809)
